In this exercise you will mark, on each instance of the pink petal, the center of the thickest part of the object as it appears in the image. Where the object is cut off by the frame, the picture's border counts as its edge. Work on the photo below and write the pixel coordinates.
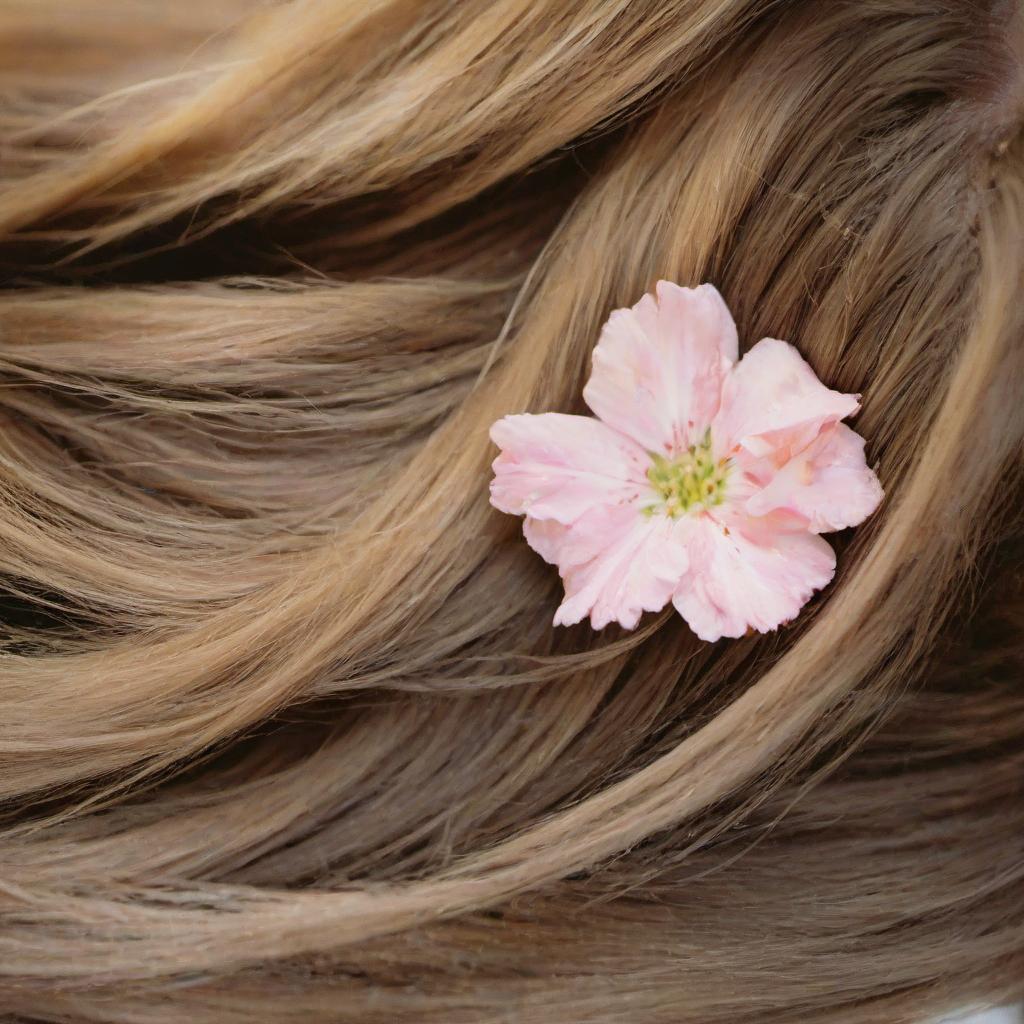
(555, 466)
(774, 405)
(658, 367)
(741, 578)
(829, 483)
(616, 564)
(546, 537)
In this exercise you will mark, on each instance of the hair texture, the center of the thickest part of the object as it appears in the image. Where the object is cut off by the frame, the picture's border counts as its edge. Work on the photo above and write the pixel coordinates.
(286, 734)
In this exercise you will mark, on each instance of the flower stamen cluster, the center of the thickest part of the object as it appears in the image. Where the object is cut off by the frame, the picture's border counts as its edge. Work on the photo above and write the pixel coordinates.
(693, 479)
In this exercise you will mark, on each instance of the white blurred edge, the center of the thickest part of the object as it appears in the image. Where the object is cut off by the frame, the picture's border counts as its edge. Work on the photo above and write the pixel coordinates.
(1002, 1015)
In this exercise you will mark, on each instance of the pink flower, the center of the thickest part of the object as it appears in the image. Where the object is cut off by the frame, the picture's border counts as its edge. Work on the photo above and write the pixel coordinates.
(705, 480)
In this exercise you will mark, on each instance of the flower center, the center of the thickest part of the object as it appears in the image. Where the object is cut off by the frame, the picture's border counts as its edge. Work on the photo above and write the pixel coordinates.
(690, 480)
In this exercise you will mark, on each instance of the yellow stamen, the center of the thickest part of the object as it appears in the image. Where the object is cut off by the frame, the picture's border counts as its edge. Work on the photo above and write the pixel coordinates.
(691, 479)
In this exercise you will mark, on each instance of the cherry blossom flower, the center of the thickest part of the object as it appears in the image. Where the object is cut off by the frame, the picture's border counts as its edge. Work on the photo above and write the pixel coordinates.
(705, 479)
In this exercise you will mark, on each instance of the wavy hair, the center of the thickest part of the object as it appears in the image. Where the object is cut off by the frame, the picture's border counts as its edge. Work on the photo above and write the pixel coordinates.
(285, 731)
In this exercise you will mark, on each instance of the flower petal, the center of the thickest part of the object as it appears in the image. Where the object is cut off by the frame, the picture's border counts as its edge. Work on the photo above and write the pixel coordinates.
(617, 563)
(555, 466)
(546, 537)
(829, 483)
(774, 405)
(659, 366)
(740, 578)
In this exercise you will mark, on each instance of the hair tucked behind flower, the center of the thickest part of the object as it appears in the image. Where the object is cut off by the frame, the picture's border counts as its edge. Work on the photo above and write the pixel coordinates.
(286, 733)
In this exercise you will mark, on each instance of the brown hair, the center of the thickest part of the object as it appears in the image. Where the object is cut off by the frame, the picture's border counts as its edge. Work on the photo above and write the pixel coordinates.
(285, 731)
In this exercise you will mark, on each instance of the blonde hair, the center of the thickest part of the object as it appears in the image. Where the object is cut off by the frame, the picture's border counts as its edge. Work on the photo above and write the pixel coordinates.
(285, 731)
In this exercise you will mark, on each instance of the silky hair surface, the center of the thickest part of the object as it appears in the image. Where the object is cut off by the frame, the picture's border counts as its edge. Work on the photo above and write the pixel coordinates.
(286, 733)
